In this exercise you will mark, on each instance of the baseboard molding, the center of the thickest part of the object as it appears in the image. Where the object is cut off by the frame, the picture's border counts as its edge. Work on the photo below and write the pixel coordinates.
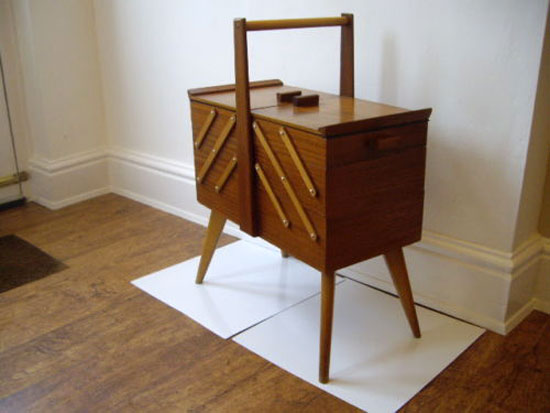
(420, 297)
(487, 287)
(65, 181)
(503, 263)
(83, 196)
(490, 288)
(68, 163)
(168, 167)
(151, 181)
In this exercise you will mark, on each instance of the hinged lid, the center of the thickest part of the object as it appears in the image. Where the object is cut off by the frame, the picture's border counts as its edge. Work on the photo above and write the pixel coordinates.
(335, 115)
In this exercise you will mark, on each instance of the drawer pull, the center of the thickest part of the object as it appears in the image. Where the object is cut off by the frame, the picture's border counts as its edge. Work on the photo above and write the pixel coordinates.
(226, 174)
(204, 130)
(216, 149)
(281, 173)
(298, 162)
(272, 196)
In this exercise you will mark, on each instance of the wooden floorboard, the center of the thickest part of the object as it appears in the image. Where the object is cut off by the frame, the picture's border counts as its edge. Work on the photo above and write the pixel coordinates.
(85, 339)
(497, 374)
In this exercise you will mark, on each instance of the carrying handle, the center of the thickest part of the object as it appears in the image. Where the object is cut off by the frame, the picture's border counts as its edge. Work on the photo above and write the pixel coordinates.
(297, 23)
(242, 95)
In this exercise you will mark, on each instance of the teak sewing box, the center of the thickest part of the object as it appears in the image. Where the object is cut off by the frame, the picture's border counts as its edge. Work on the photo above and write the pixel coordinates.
(331, 180)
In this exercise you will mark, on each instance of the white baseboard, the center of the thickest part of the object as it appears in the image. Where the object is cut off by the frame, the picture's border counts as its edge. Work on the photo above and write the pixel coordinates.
(490, 288)
(486, 287)
(66, 201)
(166, 185)
(421, 296)
(65, 181)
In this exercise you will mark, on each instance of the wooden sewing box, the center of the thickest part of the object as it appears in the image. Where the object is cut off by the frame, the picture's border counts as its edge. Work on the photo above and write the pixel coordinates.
(329, 179)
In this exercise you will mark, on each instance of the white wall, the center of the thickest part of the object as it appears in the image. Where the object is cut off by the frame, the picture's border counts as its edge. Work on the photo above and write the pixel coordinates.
(63, 98)
(14, 88)
(537, 158)
(531, 207)
(62, 37)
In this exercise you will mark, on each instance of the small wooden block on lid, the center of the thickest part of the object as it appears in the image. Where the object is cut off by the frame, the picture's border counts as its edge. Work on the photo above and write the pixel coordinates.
(306, 100)
(286, 97)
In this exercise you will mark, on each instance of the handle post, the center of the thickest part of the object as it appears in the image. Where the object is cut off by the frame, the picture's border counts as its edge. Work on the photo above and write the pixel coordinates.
(245, 151)
(347, 73)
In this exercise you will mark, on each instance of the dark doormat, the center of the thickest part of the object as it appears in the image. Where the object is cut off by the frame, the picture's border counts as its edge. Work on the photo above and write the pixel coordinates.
(21, 262)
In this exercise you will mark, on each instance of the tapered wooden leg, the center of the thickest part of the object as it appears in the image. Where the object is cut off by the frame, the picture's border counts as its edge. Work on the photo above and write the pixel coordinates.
(215, 227)
(398, 270)
(327, 311)
(284, 254)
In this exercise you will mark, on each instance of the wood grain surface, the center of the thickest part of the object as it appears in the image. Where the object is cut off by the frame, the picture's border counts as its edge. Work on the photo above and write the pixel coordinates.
(85, 339)
(347, 60)
(374, 206)
(296, 23)
(216, 222)
(244, 134)
(295, 240)
(226, 201)
(334, 116)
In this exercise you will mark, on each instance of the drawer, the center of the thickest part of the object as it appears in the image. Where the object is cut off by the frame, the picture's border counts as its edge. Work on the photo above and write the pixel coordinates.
(374, 205)
(291, 189)
(346, 149)
(215, 153)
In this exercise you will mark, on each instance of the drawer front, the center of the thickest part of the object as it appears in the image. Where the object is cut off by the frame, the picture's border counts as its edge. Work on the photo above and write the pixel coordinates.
(215, 155)
(358, 147)
(375, 205)
(290, 214)
(290, 186)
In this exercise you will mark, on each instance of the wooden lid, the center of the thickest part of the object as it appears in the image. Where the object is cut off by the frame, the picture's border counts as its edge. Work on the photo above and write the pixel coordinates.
(335, 115)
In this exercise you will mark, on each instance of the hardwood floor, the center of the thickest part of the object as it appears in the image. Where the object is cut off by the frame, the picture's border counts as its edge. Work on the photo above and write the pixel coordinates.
(85, 339)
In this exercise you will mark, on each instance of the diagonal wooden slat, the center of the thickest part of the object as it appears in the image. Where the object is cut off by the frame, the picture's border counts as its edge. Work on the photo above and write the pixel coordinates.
(204, 130)
(298, 162)
(272, 196)
(215, 150)
(226, 174)
(286, 184)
